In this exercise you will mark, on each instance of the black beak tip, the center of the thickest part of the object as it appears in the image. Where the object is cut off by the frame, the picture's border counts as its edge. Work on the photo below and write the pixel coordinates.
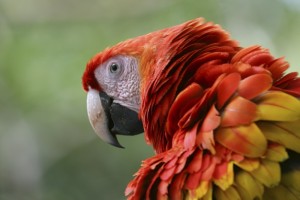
(115, 142)
(117, 145)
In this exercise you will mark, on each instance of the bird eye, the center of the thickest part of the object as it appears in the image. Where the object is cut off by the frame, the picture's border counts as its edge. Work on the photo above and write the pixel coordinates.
(114, 67)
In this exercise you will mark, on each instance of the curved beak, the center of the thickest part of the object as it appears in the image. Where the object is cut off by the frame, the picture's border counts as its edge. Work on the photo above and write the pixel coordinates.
(109, 119)
(99, 119)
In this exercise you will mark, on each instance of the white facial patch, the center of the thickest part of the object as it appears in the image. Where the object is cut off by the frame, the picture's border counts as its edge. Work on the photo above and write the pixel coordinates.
(122, 85)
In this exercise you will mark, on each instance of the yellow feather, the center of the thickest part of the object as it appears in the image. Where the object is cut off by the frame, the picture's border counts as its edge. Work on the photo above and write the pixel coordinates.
(280, 192)
(248, 164)
(199, 192)
(225, 181)
(285, 133)
(246, 140)
(268, 173)
(248, 187)
(291, 180)
(202, 189)
(278, 106)
(229, 194)
(293, 127)
(276, 153)
(208, 195)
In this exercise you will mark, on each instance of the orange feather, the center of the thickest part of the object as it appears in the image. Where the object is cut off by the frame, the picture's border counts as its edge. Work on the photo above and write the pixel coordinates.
(217, 114)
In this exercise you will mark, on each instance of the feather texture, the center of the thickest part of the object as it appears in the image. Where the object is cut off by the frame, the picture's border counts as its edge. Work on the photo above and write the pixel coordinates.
(221, 119)
(224, 120)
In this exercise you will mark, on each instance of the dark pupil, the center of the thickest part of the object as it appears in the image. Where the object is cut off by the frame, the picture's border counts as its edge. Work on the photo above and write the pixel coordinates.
(114, 67)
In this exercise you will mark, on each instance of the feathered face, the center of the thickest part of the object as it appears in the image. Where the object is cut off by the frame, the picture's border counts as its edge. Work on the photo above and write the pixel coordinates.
(113, 98)
(114, 80)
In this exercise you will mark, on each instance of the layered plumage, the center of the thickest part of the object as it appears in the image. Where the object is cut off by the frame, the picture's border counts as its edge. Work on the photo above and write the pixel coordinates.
(224, 120)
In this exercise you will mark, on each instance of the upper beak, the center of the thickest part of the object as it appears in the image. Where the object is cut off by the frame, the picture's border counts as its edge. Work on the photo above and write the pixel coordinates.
(98, 118)
(108, 118)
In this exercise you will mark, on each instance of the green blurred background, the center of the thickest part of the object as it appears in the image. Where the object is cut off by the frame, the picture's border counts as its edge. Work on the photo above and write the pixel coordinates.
(47, 148)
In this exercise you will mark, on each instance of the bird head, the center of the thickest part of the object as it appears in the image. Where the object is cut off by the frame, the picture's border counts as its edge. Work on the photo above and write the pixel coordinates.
(131, 86)
(112, 83)
(112, 80)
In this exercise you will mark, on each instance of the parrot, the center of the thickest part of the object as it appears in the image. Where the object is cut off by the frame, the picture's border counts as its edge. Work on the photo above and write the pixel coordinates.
(223, 120)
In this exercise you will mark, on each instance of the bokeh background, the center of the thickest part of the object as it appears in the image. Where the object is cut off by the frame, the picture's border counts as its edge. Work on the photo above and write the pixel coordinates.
(47, 148)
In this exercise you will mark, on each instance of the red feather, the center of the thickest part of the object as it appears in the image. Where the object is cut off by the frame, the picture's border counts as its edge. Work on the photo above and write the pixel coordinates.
(203, 105)
(200, 106)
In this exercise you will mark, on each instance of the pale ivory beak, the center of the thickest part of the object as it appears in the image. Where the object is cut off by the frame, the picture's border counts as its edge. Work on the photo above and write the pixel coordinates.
(98, 118)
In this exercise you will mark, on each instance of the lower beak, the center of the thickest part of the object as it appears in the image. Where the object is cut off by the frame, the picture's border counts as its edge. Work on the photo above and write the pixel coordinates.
(109, 119)
(98, 118)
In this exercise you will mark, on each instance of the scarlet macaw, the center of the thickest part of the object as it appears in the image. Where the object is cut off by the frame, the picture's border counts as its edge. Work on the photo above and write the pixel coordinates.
(223, 120)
